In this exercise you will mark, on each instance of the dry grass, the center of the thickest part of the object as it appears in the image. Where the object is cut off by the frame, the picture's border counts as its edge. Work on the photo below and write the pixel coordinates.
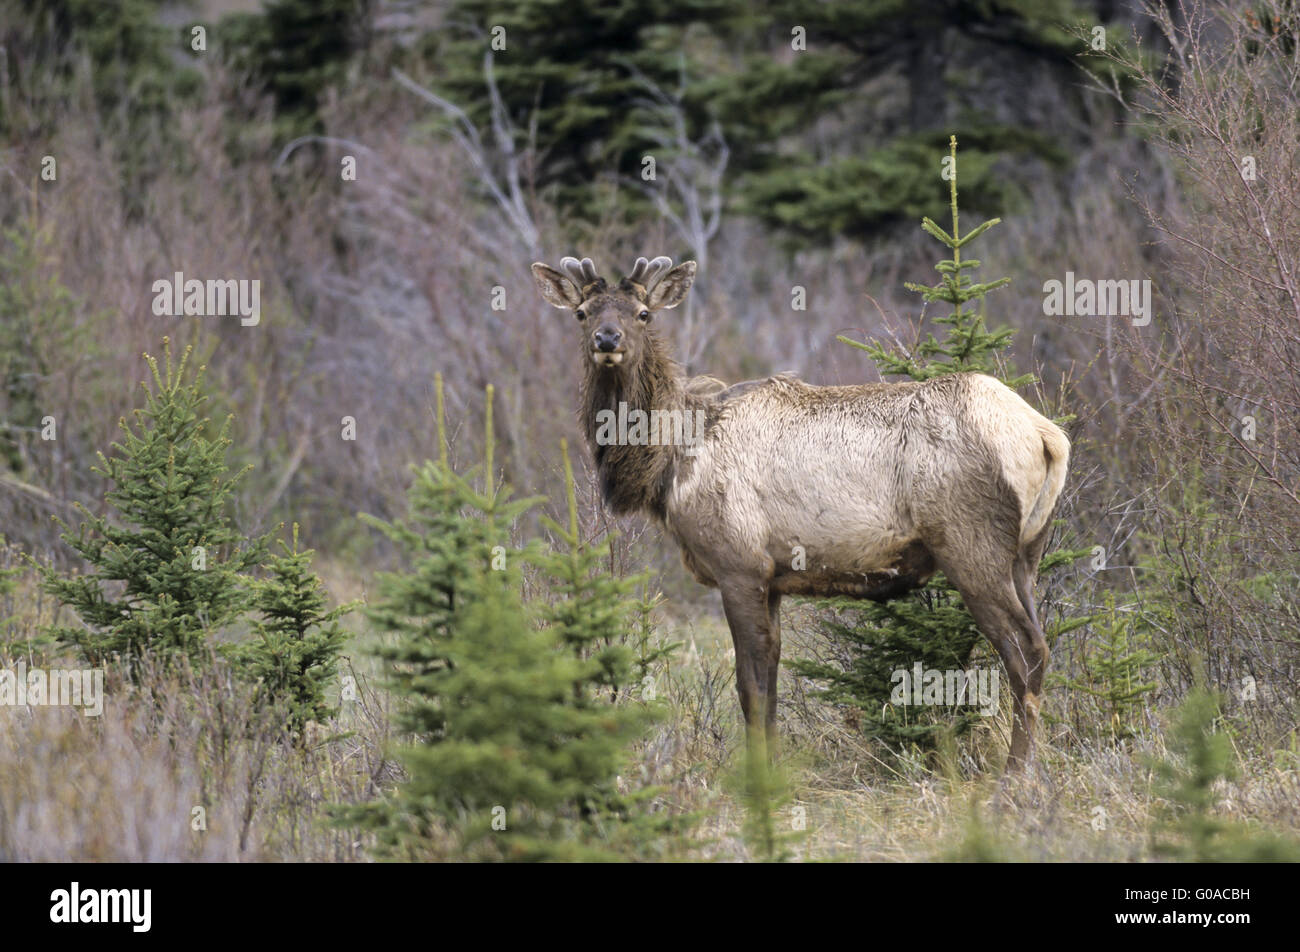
(1087, 800)
(124, 786)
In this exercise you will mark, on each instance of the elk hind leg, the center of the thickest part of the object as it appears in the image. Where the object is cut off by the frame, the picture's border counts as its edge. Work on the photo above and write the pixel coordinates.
(988, 588)
(1025, 573)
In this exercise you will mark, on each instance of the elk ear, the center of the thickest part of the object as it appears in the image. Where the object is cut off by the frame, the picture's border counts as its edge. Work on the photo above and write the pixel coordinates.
(555, 287)
(672, 288)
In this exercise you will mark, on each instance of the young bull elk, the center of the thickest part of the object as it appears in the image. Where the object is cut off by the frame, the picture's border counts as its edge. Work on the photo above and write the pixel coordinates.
(792, 489)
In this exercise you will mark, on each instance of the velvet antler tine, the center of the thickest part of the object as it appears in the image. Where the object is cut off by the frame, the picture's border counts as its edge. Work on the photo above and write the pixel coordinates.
(638, 270)
(589, 270)
(656, 270)
(573, 268)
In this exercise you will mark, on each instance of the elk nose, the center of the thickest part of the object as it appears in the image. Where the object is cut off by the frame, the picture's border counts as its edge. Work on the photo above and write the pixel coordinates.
(607, 339)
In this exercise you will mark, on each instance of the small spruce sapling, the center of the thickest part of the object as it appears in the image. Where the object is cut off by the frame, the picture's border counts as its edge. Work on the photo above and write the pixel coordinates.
(167, 563)
(295, 650)
(1201, 758)
(514, 754)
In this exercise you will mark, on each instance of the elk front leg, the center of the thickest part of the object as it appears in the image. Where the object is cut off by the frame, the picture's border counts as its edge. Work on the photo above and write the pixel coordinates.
(758, 650)
(773, 661)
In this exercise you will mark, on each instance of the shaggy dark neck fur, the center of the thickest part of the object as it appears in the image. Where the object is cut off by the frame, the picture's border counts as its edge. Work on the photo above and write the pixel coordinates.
(636, 478)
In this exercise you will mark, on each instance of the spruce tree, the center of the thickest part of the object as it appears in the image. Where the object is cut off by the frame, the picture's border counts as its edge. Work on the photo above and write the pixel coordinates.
(166, 562)
(295, 50)
(930, 626)
(921, 65)
(1202, 756)
(570, 79)
(8, 584)
(968, 344)
(294, 653)
(597, 616)
(444, 544)
(1116, 670)
(515, 753)
(592, 609)
(764, 790)
(141, 79)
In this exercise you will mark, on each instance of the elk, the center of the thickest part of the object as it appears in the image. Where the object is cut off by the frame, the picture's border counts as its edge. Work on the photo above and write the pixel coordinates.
(793, 489)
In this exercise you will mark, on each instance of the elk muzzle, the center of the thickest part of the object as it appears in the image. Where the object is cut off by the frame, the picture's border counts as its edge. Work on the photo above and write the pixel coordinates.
(606, 345)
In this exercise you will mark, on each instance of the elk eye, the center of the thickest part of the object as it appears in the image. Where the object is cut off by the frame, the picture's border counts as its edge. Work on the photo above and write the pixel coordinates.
(644, 316)
(580, 314)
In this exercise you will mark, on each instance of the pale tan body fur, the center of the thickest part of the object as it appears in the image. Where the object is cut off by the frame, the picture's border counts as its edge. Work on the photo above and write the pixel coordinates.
(852, 475)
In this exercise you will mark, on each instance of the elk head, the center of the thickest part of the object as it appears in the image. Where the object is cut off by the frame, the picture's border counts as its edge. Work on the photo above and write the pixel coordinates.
(614, 318)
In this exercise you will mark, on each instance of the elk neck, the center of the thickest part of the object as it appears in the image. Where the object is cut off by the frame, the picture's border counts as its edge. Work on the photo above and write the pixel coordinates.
(637, 476)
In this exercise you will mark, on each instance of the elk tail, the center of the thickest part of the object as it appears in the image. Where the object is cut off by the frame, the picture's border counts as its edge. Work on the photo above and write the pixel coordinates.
(1056, 453)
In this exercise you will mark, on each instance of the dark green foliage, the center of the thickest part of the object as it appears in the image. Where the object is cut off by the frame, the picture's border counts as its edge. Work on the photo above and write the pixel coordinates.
(872, 641)
(591, 609)
(831, 140)
(166, 568)
(819, 200)
(516, 750)
(1116, 669)
(36, 321)
(294, 654)
(295, 50)
(130, 50)
(844, 140)
(571, 77)
(445, 551)
(1202, 757)
(967, 344)
(595, 615)
(137, 67)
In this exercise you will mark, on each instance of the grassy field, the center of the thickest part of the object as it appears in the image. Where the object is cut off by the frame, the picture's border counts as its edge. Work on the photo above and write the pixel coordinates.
(125, 786)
